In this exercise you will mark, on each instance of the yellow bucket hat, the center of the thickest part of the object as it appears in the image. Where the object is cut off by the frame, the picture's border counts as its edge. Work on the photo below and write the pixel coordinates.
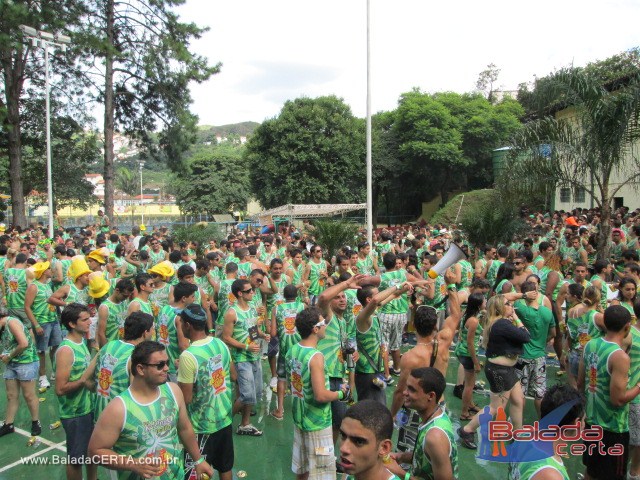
(39, 268)
(98, 256)
(164, 269)
(98, 285)
(78, 267)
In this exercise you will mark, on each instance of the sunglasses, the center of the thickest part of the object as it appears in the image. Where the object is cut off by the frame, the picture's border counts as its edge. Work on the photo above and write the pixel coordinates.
(517, 263)
(320, 324)
(247, 291)
(159, 366)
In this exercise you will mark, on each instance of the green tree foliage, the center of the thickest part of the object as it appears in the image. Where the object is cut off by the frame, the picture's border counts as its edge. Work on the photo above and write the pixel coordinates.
(312, 152)
(144, 84)
(127, 182)
(23, 63)
(215, 180)
(332, 235)
(73, 150)
(588, 142)
(387, 168)
(201, 232)
(430, 143)
(484, 126)
(487, 79)
(492, 220)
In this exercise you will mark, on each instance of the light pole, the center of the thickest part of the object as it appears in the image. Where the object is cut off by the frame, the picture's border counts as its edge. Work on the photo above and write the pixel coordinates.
(46, 40)
(141, 195)
(368, 140)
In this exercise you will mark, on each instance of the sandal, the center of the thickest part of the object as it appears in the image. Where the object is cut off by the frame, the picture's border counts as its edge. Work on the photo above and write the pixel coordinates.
(467, 417)
(475, 408)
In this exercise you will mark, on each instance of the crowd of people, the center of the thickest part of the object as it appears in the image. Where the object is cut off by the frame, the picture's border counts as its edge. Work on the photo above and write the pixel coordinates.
(154, 345)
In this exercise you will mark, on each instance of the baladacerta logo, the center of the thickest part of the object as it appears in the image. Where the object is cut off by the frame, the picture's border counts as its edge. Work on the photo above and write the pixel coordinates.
(501, 442)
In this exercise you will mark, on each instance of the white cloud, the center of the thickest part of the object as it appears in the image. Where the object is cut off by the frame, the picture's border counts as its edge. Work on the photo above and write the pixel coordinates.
(282, 49)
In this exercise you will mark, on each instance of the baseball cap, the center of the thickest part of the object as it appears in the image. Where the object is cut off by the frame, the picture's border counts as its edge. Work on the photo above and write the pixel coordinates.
(194, 313)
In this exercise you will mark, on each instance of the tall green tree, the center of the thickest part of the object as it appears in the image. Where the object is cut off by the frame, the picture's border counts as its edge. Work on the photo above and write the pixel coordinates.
(144, 78)
(486, 81)
(22, 62)
(312, 152)
(387, 167)
(213, 182)
(73, 151)
(484, 126)
(589, 142)
(430, 142)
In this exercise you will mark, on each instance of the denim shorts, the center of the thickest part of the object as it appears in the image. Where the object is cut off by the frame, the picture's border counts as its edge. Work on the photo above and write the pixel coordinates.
(574, 362)
(249, 382)
(25, 372)
(51, 336)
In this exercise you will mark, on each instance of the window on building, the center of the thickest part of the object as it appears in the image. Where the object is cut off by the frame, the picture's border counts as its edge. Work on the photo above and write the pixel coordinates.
(565, 195)
(579, 195)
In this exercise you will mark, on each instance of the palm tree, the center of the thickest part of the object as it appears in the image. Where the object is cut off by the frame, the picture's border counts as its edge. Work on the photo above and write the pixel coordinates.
(332, 235)
(128, 183)
(592, 136)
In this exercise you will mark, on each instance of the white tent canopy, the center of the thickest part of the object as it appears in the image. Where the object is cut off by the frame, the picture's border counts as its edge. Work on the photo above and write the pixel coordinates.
(292, 211)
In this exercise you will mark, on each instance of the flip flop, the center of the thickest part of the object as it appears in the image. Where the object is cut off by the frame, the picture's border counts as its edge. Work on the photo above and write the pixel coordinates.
(475, 408)
(273, 414)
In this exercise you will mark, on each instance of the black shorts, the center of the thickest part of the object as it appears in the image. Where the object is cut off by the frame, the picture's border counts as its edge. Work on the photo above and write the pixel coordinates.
(366, 390)
(611, 467)
(501, 378)
(78, 431)
(466, 362)
(217, 448)
(338, 407)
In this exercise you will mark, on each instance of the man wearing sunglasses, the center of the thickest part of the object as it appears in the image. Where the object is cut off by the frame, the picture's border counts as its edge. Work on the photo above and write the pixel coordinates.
(241, 333)
(155, 407)
(313, 444)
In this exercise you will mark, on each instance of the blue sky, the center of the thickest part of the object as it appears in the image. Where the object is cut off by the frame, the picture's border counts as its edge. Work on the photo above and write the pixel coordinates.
(278, 50)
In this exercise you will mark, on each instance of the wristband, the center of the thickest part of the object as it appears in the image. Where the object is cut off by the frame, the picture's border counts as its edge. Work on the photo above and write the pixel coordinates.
(398, 287)
(340, 395)
(407, 476)
(199, 461)
(212, 331)
(246, 347)
(451, 286)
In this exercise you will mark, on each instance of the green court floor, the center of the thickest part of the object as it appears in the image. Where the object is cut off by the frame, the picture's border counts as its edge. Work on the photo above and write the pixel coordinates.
(260, 458)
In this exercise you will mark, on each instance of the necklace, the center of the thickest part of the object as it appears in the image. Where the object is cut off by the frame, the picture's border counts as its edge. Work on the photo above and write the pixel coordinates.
(422, 343)
(431, 416)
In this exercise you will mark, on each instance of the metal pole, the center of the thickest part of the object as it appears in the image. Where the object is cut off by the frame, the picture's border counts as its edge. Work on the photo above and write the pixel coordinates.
(459, 208)
(48, 127)
(369, 171)
(141, 195)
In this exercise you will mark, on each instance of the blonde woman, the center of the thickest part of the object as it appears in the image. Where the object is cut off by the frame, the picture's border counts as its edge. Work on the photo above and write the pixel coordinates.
(584, 322)
(503, 338)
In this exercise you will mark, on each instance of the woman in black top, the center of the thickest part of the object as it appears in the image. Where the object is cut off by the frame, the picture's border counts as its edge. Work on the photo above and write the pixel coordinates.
(503, 339)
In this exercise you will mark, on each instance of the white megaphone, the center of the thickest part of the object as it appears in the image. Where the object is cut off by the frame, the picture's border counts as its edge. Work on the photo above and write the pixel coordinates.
(453, 255)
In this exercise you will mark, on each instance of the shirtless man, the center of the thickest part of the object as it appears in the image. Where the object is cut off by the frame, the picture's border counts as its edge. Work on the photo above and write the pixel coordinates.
(431, 350)
(522, 264)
